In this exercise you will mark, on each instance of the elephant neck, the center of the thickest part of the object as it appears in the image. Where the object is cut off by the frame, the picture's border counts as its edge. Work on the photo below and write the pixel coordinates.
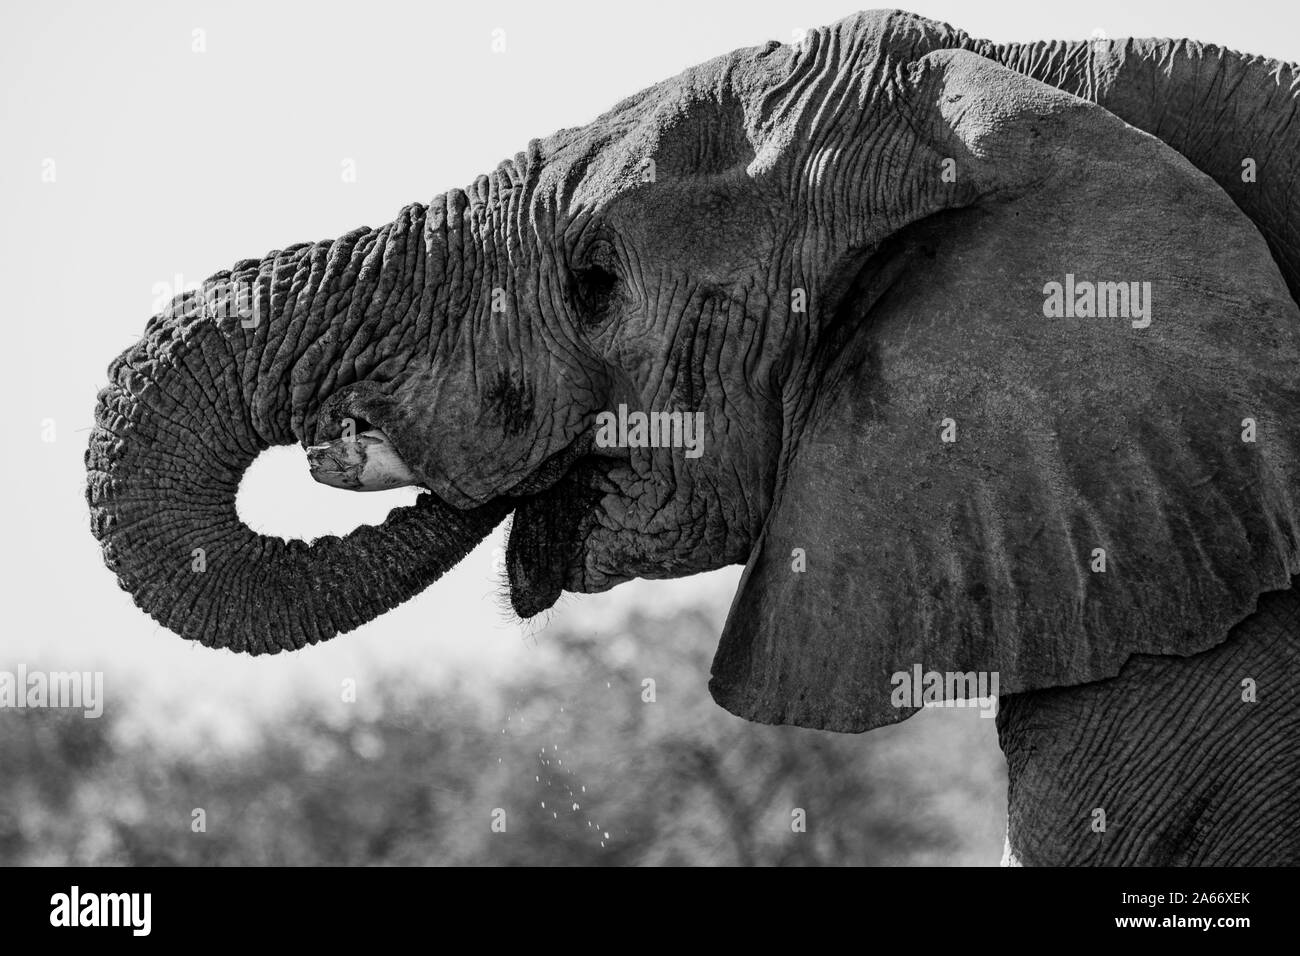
(1176, 761)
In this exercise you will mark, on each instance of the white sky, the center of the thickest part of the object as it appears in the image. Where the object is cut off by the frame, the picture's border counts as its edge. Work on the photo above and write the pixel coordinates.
(171, 162)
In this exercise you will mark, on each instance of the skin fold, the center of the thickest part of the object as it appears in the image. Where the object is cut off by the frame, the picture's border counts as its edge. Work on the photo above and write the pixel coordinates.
(835, 256)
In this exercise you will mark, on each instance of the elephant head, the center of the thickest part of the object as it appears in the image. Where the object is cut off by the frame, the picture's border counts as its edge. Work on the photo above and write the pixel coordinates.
(971, 358)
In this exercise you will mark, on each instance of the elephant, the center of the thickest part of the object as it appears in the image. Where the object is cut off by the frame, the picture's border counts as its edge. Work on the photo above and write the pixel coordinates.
(992, 353)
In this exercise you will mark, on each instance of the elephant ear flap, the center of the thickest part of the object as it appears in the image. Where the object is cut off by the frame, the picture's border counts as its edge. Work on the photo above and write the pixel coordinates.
(992, 481)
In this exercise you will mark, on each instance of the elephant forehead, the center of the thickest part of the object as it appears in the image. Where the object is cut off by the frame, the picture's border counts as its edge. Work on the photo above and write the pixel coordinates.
(697, 124)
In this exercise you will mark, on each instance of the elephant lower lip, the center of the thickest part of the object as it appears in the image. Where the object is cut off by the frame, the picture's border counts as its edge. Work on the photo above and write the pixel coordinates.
(554, 469)
(546, 539)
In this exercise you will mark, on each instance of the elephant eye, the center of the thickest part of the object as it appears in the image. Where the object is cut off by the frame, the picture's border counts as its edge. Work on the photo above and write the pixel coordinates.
(595, 288)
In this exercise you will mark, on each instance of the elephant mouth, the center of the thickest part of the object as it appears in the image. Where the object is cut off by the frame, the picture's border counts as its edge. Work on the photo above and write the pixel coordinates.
(553, 507)
(547, 534)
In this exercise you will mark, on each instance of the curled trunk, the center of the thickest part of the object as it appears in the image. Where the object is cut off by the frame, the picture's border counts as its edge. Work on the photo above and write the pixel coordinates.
(222, 375)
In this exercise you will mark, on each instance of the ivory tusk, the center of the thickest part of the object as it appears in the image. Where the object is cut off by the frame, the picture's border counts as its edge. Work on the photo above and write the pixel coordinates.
(367, 462)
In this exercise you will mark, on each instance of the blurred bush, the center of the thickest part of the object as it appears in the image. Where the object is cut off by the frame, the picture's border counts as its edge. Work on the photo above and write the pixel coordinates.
(575, 759)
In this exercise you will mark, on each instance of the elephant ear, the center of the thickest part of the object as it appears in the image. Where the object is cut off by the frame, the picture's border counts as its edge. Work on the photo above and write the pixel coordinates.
(981, 486)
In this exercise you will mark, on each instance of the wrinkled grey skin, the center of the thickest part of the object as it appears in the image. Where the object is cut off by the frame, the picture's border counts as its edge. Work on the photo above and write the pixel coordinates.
(767, 239)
